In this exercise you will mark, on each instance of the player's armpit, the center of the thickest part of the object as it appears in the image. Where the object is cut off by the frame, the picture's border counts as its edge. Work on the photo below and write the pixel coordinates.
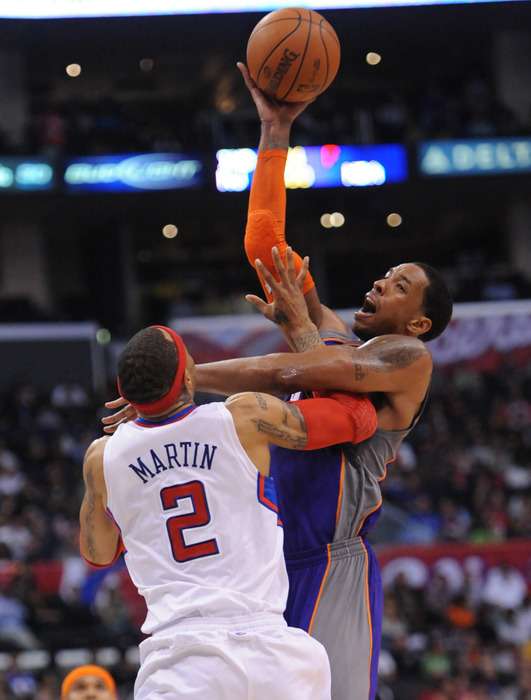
(339, 418)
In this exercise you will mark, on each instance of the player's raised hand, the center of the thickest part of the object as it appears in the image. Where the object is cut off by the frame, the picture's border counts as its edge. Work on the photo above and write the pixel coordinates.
(270, 109)
(288, 306)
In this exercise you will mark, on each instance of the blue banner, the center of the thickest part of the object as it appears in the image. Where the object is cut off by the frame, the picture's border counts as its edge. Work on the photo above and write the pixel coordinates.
(26, 174)
(133, 172)
(474, 157)
(318, 166)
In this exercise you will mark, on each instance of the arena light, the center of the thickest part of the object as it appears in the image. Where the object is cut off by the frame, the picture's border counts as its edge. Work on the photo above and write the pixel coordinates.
(38, 9)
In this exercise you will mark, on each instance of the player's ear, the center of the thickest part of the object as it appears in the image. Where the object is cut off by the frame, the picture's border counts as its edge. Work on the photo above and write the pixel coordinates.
(418, 326)
(188, 379)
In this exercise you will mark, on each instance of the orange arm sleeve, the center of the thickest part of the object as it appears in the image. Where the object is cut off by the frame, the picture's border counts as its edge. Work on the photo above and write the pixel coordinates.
(340, 418)
(266, 218)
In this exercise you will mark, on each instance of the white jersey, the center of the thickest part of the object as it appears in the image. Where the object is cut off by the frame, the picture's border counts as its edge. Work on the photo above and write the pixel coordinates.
(198, 521)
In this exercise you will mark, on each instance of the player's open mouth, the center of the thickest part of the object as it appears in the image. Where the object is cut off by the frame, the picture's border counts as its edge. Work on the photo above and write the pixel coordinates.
(369, 306)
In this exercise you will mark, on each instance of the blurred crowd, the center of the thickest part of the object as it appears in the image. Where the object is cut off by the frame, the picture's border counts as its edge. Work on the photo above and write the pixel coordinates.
(468, 107)
(464, 476)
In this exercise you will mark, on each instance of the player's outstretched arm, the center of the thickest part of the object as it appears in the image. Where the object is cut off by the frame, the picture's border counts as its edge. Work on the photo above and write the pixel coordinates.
(393, 364)
(262, 420)
(266, 218)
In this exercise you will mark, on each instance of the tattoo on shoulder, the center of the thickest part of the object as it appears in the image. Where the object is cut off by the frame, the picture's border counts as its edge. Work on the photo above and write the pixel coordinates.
(392, 354)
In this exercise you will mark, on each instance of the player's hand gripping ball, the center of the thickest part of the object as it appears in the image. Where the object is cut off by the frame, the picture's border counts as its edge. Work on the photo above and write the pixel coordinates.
(293, 54)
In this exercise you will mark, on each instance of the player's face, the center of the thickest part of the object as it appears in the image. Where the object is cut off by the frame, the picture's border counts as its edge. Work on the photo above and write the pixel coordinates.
(393, 302)
(90, 688)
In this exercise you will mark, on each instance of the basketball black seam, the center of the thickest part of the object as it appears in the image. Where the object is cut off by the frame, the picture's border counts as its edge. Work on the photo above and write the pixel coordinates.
(277, 45)
(310, 23)
(326, 54)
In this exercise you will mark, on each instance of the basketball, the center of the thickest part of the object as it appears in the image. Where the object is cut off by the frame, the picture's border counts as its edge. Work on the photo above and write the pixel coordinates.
(293, 54)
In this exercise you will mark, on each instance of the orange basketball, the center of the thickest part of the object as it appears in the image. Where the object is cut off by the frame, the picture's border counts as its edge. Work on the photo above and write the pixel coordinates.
(293, 54)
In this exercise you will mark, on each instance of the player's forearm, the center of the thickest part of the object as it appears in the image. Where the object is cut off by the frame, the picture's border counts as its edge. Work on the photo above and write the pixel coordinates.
(278, 373)
(274, 134)
(386, 364)
(229, 377)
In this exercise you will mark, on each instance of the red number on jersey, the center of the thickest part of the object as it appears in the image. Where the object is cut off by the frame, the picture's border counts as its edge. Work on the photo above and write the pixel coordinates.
(200, 515)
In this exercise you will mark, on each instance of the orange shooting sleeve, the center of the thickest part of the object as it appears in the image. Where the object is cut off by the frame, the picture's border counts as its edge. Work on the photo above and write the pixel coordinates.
(336, 418)
(266, 217)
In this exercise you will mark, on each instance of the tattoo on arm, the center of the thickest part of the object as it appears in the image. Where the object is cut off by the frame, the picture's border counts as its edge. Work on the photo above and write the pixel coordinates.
(359, 372)
(280, 435)
(394, 355)
(308, 341)
(305, 341)
(90, 506)
(280, 317)
(388, 355)
(277, 141)
(261, 401)
(296, 413)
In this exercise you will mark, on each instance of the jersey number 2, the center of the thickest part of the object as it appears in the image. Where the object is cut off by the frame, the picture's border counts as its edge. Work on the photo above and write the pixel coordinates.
(171, 496)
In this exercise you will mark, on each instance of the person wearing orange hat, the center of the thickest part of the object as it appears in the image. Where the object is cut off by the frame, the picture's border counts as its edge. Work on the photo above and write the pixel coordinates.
(88, 682)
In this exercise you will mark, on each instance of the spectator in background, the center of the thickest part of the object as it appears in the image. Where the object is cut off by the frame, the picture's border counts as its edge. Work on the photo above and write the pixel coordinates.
(459, 613)
(505, 587)
(15, 632)
(424, 523)
(21, 681)
(88, 682)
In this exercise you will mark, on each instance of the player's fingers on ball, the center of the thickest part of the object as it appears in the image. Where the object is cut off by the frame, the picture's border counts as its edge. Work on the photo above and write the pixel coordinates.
(246, 75)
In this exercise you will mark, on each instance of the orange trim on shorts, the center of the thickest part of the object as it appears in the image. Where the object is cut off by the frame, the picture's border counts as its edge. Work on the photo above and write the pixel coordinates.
(368, 606)
(341, 483)
(320, 589)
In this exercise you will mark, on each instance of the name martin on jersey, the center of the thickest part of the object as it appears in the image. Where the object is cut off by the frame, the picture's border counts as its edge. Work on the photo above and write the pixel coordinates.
(184, 454)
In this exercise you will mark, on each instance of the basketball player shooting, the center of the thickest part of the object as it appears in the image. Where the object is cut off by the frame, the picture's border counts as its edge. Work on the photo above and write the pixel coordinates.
(330, 499)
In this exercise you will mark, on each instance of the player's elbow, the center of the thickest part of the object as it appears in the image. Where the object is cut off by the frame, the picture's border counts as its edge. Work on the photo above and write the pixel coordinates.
(287, 380)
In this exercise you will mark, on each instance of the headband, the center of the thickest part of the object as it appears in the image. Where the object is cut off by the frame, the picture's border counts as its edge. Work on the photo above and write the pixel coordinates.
(165, 402)
(89, 670)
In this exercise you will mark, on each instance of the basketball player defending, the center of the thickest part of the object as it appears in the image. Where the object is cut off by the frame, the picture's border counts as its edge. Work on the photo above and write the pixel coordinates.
(185, 492)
